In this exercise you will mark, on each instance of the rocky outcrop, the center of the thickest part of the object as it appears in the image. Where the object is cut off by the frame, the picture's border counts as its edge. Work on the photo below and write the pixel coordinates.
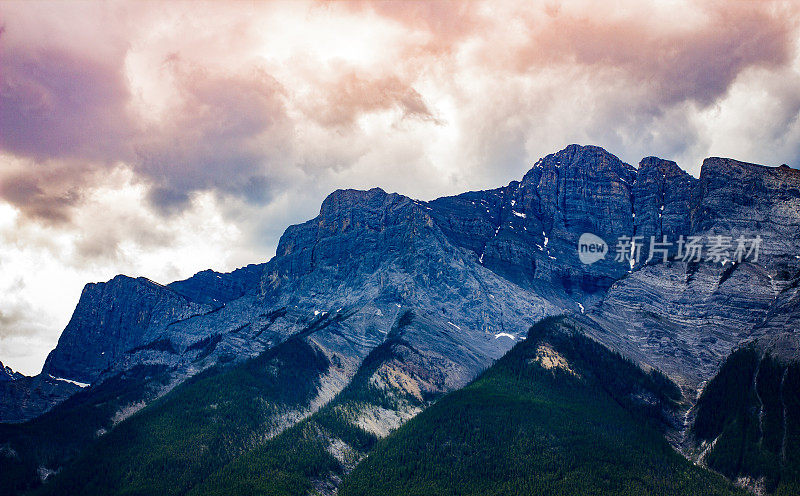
(215, 288)
(527, 232)
(683, 318)
(662, 199)
(382, 255)
(23, 398)
(737, 198)
(112, 318)
(8, 375)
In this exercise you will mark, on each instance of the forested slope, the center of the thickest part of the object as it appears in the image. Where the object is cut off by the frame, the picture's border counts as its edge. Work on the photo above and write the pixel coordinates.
(559, 414)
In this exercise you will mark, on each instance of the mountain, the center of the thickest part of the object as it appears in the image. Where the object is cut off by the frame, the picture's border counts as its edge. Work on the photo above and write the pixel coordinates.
(287, 374)
(26, 397)
(559, 414)
(748, 420)
(684, 318)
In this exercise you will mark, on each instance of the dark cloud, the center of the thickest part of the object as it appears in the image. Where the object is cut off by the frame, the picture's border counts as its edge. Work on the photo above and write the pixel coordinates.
(60, 104)
(46, 191)
(226, 135)
(25, 190)
(57, 105)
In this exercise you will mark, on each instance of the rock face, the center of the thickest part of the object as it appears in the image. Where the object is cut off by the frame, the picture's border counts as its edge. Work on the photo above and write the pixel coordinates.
(684, 318)
(477, 269)
(23, 397)
(112, 318)
(6, 374)
(662, 199)
(527, 232)
(378, 256)
(381, 304)
(735, 198)
(210, 287)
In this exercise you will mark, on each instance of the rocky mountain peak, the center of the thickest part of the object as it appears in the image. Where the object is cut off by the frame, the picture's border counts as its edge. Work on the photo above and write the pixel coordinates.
(590, 159)
(216, 288)
(661, 199)
(355, 233)
(6, 374)
(735, 198)
(384, 249)
(579, 189)
(665, 167)
(347, 199)
(110, 318)
(748, 179)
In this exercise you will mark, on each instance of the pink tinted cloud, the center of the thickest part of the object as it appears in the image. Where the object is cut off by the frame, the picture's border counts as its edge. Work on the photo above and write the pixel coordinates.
(59, 104)
(224, 135)
(355, 93)
(234, 129)
(679, 59)
(448, 22)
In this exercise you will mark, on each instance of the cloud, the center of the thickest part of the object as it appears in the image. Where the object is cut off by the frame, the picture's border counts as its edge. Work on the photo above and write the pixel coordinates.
(352, 95)
(45, 191)
(25, 190)
(112, 229)
(57, 104)
(224, 135)
(446, 23)
(679, 61)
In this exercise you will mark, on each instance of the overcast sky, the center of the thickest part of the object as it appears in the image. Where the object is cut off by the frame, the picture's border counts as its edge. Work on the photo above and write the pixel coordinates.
(162, 139)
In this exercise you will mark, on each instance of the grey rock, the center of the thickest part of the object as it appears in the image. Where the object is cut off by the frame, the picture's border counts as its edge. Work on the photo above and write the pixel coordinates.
(737, 198)
(112, 318)
(213, 287)
(475, 270)
(23, 398)
(686, 318)
(662, 199)
(683, 318)
(8, 375)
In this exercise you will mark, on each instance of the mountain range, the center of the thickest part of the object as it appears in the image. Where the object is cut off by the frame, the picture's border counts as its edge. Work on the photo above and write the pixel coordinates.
(453, 346)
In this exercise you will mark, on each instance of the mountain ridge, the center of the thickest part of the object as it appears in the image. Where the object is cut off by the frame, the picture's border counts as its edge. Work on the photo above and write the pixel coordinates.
(441, 289)
(661, 202)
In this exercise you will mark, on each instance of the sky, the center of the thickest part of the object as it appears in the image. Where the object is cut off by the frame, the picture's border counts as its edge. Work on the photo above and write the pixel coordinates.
(160, 139)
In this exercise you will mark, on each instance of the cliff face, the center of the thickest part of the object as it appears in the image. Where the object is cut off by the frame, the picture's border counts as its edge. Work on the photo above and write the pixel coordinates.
(26, 397)
(735, 198)
(684, 318)
(6, 374)
(478, 269)
(662, 199)
(527, 232)
(214, 288)
(112, 318)
(378, 256)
